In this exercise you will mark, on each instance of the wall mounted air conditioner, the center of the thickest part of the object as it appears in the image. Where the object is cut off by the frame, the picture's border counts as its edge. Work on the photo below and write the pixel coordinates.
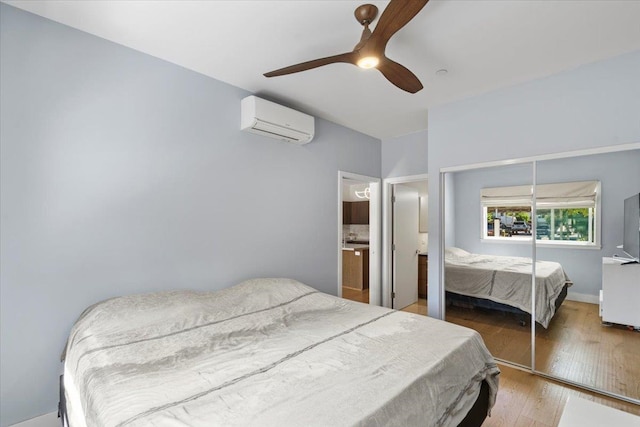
(275, 121)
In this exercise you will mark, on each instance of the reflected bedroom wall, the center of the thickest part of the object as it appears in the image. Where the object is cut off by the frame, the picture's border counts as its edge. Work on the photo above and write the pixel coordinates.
(619, 174)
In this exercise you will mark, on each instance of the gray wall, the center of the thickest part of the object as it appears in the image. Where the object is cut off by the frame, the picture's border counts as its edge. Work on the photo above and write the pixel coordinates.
(405, 155)
(597, 105)
(619, 175)
(122, 173)
(450, 224)
(466, 217)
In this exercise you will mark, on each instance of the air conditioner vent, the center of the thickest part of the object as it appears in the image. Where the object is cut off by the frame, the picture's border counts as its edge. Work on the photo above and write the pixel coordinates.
(276, 121)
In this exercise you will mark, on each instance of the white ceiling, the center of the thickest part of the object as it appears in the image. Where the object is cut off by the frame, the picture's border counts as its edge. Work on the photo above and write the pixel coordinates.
(484, 45)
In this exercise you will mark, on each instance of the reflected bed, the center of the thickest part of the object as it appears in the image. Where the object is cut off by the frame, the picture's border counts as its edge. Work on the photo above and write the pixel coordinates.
(504, 283)
(270, 352)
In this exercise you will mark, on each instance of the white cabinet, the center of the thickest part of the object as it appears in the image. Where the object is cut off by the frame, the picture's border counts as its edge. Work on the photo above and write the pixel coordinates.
(620, 292)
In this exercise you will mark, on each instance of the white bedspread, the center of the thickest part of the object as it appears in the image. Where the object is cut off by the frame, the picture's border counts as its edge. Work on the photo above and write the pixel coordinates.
(270, 352)
(505, 279)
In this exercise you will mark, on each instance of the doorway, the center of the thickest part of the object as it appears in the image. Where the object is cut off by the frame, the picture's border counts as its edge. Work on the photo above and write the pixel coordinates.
(359, 238)
(405, 232)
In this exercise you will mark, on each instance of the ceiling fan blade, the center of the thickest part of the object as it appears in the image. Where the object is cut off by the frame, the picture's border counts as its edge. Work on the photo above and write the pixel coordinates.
(396, 15)
(349, 57)
(399, 75)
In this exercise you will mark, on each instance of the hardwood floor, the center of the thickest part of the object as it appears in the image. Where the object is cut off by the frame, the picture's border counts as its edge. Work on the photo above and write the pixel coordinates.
(576, 338)
(356, 294)
(419, 307)
(575, 347)
(525, 399)
(502, 333)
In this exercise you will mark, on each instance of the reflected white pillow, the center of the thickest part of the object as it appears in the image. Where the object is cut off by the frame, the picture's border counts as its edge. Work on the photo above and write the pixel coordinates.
(455, 252)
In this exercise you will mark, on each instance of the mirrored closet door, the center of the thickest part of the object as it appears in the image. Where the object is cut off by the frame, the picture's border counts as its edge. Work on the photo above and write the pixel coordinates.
(580, 212)
(488, 256)
(564, 232)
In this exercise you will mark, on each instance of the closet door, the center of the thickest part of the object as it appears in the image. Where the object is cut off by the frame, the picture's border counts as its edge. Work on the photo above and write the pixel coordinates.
(580, 212)
(488, 256)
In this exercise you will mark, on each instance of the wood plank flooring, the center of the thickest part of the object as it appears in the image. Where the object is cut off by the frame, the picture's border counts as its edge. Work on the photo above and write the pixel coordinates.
(502, 333)
(356, 294)
(575, 347)
(419, 307)
(525, 399)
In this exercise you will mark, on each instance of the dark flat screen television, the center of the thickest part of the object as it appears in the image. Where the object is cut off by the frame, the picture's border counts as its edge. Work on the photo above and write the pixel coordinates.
(631, 242)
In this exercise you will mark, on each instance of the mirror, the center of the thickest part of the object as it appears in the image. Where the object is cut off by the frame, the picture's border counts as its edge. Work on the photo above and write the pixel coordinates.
(590, 340)
(582, 230)
(488, 253)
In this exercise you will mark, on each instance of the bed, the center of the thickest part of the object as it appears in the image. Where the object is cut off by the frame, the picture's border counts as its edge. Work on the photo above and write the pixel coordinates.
(504, 283)
(270, 352)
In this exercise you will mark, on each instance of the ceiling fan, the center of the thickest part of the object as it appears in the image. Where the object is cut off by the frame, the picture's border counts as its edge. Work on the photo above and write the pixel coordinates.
(369, 52)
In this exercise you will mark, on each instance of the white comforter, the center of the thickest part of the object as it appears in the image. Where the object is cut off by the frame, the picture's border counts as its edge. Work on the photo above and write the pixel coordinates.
(505, 279)
(269, 352)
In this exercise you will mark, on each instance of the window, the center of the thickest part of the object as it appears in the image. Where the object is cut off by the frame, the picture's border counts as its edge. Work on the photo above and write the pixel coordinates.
(565, 213)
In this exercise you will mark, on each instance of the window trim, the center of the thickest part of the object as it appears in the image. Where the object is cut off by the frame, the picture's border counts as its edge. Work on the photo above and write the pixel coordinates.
(597, 226)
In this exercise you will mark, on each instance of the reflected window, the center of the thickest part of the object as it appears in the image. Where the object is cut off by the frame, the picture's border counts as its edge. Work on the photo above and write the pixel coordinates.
(565, 213)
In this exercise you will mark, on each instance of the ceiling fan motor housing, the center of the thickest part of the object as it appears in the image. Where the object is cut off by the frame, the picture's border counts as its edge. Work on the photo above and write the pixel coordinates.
(366, 13)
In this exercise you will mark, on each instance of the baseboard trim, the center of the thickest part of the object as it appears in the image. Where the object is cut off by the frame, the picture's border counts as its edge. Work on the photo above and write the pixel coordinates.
(47, 420)
(575, 296)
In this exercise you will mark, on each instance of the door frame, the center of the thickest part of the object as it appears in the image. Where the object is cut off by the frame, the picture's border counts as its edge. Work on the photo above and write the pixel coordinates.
(387, 232)
(375, 235)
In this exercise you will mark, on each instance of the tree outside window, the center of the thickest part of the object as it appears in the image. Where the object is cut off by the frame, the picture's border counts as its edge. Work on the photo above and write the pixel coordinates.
(569, 224)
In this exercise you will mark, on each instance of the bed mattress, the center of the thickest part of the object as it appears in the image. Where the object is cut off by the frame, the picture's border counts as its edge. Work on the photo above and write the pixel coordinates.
(506, 279)
(269, 352)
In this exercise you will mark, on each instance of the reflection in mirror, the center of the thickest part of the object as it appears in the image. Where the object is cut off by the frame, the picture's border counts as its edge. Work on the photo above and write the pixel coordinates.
(591, 340)
(487, 277)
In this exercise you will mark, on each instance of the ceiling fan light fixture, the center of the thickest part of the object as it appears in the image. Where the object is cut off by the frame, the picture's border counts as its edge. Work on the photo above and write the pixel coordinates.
(368, 62)
(370, 50)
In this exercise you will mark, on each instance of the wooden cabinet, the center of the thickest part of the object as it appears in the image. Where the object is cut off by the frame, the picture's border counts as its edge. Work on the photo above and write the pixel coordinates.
(355, 212)
(359, 212)
(355, 268)
(423, 263)
(346, 212)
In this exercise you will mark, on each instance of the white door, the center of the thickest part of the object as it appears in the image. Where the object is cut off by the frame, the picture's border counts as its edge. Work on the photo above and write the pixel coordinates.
(406, 245)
